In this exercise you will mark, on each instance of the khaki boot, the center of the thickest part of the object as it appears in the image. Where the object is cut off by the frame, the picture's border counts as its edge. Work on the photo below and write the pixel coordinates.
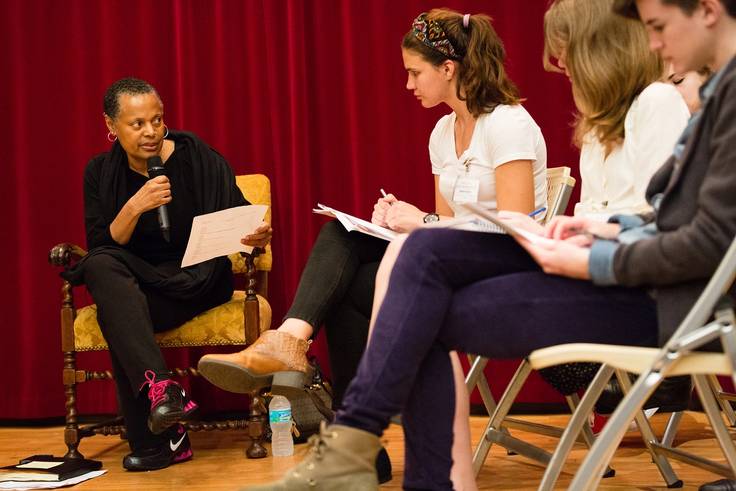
(274, 352)
(341, 458)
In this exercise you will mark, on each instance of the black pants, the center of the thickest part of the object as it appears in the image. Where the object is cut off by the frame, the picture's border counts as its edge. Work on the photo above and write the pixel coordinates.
(129, 314)
(336, 289)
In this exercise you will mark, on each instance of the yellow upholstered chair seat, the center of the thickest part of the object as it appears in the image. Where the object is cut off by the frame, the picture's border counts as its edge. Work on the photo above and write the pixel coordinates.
(219, 326)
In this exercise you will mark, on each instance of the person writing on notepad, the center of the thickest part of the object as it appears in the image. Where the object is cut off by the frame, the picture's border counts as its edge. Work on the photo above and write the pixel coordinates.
(487, 150)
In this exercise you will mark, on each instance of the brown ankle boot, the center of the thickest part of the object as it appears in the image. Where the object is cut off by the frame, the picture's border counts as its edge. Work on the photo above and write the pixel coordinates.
(254, 367)
(341, 458)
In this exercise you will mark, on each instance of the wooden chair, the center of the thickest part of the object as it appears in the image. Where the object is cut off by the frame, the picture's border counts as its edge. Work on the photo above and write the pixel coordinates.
(235, 323)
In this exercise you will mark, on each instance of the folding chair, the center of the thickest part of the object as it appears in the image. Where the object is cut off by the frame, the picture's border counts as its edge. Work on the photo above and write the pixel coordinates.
(677, 357)
(559, 188)
(499, 423)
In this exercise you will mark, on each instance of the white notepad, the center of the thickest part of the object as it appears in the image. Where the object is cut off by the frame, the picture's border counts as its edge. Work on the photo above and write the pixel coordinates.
(356, 224)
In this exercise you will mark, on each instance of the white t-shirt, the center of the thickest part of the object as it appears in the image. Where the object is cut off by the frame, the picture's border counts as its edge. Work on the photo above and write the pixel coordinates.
(508, 133)
(617, 183)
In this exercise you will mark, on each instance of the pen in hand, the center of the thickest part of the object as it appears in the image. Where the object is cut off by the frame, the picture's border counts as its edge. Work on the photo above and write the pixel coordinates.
(535, 212)
(386, 196)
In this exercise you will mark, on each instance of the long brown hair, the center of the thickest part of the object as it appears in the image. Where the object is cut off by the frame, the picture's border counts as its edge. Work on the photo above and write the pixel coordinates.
(482, 81)
(608, 59)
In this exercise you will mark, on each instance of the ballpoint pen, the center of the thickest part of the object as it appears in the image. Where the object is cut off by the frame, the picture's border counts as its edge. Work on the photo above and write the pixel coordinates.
(386, 196)
(535, 212)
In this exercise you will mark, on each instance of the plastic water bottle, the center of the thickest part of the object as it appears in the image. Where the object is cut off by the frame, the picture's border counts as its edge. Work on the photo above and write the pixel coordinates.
(279, 416)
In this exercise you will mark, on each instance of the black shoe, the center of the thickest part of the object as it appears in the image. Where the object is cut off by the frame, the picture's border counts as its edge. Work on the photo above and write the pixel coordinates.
(383, 466)
(722, 485)
(169, 403)
(672, 395)
(173, 450)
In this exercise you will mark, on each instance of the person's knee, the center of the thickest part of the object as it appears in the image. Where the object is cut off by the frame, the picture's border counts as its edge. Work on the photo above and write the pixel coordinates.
(421, 241)
(99, 269)
(332, 230)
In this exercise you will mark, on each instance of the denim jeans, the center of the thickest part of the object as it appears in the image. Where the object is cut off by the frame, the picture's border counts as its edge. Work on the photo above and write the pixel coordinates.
(477, 293)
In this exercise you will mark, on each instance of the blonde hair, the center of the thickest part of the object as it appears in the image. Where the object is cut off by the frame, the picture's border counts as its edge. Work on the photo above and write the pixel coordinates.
(482, 80)
(608, 59)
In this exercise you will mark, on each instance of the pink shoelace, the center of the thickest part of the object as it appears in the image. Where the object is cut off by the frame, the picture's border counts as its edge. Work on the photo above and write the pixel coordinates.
(157, 390)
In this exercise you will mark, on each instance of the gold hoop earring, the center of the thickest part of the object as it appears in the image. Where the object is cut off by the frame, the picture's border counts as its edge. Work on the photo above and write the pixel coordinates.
(111, 137)
(167, 132)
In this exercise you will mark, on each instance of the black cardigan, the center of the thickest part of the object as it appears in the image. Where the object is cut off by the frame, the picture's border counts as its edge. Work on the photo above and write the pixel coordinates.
(213, 188)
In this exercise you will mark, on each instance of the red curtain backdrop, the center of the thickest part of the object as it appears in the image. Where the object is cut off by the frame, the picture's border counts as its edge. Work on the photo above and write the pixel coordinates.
(309, 92)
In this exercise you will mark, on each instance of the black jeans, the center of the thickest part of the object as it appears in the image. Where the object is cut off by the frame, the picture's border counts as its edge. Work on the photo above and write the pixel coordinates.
(336, 289)
(129, 314)
(476, 293)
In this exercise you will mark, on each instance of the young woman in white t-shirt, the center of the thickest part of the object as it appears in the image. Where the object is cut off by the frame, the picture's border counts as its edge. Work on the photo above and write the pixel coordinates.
(487, 150)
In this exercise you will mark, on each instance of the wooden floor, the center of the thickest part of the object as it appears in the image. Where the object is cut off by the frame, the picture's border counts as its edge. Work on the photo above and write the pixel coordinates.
(220, 463)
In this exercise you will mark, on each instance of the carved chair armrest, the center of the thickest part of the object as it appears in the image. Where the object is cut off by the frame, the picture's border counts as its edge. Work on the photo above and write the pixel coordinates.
(63, 254)
(252, 324)
(250, 269)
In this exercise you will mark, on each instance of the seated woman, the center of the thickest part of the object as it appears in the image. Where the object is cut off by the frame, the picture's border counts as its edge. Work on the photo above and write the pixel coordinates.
(628, 125)
(133, 271)
(439, 300)
(487, 150)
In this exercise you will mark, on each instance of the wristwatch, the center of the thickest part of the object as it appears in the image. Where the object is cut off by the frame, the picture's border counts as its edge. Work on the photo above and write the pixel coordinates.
(431, 217)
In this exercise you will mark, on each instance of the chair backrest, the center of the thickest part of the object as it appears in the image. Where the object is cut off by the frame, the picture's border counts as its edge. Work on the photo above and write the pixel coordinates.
(559, 188)
(257, 190)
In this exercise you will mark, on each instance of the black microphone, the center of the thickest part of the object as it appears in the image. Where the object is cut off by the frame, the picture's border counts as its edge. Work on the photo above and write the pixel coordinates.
(155, 169)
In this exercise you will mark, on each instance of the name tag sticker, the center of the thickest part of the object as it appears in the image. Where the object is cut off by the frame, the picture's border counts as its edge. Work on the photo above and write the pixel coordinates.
(466, 190)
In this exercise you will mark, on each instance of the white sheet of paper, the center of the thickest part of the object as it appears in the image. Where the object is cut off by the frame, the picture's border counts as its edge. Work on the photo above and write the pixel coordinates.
(352, 223)
(470, 223)
(219, 233)
(492, 217)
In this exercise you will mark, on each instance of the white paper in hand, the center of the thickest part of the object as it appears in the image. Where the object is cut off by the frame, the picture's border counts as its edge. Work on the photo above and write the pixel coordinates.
(507, 227)
(219, 233)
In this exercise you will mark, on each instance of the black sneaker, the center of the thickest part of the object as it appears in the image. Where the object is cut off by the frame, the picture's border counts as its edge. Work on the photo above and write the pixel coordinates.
(722, 485)
(169, 403)
(174, 449)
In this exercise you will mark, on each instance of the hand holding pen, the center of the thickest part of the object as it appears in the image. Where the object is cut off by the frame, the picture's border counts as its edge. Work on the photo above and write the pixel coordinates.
(381, 208)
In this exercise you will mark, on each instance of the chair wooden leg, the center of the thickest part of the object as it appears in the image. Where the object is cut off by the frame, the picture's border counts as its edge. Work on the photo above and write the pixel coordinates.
(256, 426)
(71, 432)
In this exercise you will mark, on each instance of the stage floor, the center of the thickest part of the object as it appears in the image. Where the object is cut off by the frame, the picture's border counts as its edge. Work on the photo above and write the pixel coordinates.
(220, 463)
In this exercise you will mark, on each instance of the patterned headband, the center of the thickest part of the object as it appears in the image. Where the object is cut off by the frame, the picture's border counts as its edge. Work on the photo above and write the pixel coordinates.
(430, 33)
